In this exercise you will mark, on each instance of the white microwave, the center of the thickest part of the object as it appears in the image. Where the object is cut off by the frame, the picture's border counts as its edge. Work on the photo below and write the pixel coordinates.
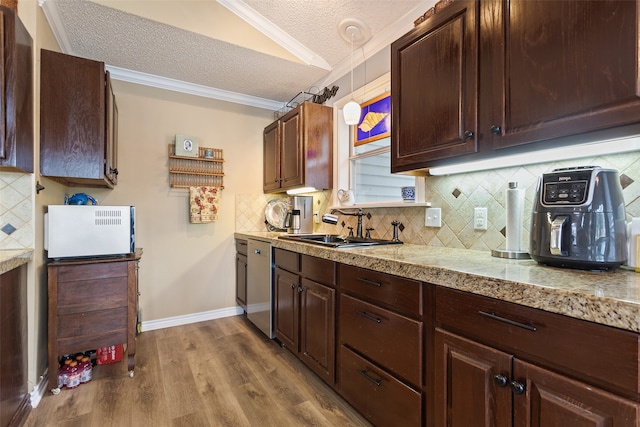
(72, 231)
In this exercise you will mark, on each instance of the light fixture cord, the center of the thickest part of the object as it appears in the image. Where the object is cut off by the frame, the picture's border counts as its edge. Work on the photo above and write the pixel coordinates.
(351, 64)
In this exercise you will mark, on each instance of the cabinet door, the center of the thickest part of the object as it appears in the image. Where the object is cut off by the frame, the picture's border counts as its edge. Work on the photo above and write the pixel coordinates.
(317, 328)
(241, 280)
(13, 350)
(271, 160)
(560, 68)
(471, 383)
(72, 119)
(434, 86)
(111, 129)
(291, 150)
(287, 308)
(550, 399)
(16, 90)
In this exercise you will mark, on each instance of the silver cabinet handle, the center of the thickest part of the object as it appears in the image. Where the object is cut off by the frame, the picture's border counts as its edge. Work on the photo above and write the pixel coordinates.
(257, 251)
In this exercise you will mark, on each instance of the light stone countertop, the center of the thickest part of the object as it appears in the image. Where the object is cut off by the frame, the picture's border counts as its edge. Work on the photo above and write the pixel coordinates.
(13, 258)
(610, 298)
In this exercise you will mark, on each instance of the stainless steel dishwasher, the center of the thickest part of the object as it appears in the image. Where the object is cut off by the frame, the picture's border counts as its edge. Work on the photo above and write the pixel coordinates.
(259, 287)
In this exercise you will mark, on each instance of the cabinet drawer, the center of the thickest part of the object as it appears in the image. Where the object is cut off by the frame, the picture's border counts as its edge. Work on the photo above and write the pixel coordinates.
(241, 246)
(396, 292)
(70, 273)
(319, 270)
(389, 339)
(380, 397)
(598, 354)
(286, 260)
(90, 295)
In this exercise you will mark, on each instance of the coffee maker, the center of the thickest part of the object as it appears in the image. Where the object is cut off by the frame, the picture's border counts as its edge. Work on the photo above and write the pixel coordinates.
(299, 219)
(578, 219)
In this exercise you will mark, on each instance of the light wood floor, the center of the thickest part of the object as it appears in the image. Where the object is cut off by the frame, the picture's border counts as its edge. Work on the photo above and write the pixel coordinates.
(217, 373)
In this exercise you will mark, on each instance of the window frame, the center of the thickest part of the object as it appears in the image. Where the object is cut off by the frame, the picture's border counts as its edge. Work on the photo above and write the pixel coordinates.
(344, 148)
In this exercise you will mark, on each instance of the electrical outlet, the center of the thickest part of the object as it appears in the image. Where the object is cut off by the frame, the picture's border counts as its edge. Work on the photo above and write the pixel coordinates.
(480, 220)
(316, 217)
(433, 217)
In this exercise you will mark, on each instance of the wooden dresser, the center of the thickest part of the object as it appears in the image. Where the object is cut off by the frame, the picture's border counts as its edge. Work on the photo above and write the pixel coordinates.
(93, 303)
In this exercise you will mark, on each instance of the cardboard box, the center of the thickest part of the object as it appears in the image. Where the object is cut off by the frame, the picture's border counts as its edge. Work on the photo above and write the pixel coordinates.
(110, 354)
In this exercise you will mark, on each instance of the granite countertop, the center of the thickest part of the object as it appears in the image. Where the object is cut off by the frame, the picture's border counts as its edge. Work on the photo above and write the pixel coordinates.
(610, 298)
(13, 258)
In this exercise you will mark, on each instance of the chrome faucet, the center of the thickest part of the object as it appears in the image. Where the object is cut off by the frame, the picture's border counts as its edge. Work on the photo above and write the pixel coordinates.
(359, 214)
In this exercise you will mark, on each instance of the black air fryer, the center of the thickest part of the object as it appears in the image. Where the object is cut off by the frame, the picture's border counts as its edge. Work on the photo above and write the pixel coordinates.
(578, 219)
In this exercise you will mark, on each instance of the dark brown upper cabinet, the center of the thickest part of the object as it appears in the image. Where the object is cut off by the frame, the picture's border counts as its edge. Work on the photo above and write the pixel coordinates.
(16, 108)
(78, 122)
(434, 89)
(298, 149)
(530, 74)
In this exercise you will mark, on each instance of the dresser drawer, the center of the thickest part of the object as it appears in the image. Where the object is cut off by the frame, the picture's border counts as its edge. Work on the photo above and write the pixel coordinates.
(598, 354)
(392, 291)
(84, 331)
(380, 397)
(391, 340)
(286, 260)
(72, 273)
(94, 294)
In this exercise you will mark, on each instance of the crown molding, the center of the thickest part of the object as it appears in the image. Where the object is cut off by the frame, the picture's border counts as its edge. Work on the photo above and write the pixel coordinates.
(151, 80)
(275, 33)
(53, 18)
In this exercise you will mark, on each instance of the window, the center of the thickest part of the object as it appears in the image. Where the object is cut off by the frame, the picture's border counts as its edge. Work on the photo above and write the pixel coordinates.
(369, 164)
(372, 180)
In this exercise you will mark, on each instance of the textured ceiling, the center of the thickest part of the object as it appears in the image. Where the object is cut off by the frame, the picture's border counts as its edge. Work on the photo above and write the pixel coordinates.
(252, 49)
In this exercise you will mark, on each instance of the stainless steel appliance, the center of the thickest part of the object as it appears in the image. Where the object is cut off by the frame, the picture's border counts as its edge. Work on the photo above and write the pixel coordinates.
(578, 219)
(85, 231)
(299, 219)
(259, 287)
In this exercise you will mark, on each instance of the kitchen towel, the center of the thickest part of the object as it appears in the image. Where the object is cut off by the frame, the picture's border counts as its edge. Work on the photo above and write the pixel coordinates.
(203, 204)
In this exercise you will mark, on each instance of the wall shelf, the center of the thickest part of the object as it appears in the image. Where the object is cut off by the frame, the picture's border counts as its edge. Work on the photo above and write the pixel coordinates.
(185, 172)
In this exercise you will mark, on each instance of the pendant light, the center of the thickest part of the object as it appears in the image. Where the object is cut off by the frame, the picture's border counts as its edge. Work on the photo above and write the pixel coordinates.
(351, 110)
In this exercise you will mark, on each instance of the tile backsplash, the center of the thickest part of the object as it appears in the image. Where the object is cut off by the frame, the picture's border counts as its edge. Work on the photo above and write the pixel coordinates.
(16, 210)
(456, 195)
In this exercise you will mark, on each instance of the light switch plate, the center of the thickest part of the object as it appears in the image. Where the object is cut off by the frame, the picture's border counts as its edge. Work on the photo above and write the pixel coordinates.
(433, 217)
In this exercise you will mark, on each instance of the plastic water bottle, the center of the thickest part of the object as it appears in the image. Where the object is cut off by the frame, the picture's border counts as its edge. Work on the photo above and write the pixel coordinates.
(73, 378)
(86, 370)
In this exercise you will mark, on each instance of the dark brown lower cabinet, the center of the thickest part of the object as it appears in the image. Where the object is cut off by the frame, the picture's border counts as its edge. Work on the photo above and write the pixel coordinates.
(379, 396)
(550, 399)
(241, 273)
(304, 307)
(14, 396)
(477, 385)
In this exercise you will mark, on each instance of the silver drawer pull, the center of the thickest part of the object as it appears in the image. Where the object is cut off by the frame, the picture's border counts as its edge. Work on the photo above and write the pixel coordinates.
(508, 321)
(368, 316)
(370, 378)
(370, 282)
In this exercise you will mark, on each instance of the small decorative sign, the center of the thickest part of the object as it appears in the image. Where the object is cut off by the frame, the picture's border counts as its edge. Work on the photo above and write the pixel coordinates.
(375, 120)
(186, 146)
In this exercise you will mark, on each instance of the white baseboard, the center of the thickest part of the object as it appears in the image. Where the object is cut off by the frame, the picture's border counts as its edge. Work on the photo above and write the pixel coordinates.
(191, 318)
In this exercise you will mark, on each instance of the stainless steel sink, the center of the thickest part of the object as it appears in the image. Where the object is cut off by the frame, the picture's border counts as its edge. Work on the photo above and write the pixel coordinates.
(337, 241)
